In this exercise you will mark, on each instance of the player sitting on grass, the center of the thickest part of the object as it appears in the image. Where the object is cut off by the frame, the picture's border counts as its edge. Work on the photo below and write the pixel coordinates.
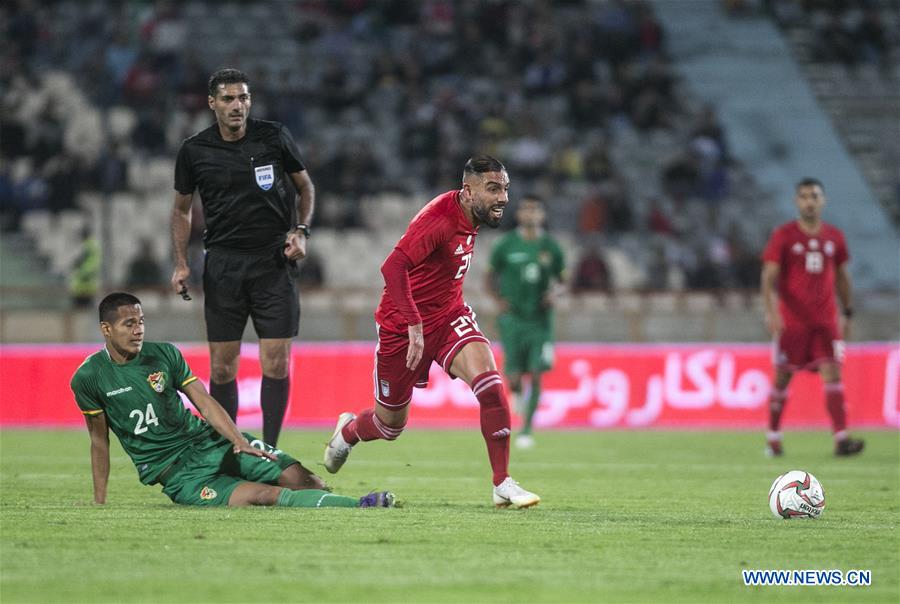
(131, 386)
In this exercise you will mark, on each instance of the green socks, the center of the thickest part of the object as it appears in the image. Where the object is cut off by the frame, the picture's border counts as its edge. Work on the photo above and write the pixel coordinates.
(314, 498)
(534, 395)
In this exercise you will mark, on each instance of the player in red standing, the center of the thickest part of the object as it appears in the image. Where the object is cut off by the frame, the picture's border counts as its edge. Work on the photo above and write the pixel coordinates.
(804, 264)
(422, 317)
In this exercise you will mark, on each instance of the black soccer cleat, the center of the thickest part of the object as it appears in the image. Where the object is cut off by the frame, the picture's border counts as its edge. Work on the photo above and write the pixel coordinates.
(849, 446)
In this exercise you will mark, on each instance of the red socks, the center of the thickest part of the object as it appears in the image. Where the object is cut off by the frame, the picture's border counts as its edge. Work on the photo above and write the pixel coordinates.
(776, 407)
(834, 401)
(495, 421)
(367, 426)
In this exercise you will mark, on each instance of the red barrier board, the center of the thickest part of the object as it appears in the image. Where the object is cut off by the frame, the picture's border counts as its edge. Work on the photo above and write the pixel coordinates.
(601, 386)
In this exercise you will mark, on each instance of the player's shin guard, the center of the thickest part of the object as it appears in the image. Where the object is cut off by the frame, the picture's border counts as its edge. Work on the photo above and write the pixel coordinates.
(777, 399)
(834, 400)
(273, 398)
(367, 426)
(495, 421)
(226, 395)
(314, 498)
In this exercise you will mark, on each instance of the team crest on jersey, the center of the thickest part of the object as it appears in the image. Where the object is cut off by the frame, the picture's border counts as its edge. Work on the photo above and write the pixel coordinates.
(813, 244)
(797, 248)
(829, 248)
(385, 388)
(545, 258)
(157, 381)
(265, 177)
(207, 493)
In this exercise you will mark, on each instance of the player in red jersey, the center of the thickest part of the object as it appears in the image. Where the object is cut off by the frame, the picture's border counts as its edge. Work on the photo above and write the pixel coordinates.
(422, 318)
(804, 264)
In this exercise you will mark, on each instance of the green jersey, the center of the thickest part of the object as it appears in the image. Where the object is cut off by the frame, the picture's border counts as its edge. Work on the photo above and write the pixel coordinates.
(142, 405)
(525, 268)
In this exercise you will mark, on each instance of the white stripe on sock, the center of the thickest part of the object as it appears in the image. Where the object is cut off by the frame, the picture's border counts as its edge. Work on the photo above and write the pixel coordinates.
(486, 383)
(385, 431)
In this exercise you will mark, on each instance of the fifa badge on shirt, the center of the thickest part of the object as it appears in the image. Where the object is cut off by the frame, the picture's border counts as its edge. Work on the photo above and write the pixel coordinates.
(207, 493)
(157, 381)
(265, 177)
(385, 388)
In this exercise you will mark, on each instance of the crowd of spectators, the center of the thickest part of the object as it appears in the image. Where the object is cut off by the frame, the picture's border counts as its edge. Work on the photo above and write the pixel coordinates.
(382, 95)
(851, 33)
(858, 45)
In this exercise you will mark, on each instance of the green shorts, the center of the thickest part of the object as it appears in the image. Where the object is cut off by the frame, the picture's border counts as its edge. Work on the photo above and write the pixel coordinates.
(207, 475)
(527, 345)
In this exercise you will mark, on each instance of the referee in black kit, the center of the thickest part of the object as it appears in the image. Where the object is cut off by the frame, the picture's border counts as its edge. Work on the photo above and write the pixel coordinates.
(255, 232)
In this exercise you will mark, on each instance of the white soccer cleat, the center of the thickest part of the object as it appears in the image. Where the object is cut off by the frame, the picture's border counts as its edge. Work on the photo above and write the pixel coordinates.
(337, 450)
(509, 494)
(524, 441)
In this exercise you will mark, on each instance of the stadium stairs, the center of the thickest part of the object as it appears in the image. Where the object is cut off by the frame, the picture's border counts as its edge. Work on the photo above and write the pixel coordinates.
(864, 106)
(777, 127)
(22, 269)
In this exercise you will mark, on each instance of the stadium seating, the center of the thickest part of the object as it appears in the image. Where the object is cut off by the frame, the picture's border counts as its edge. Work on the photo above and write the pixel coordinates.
(862, 98)
(352, 83)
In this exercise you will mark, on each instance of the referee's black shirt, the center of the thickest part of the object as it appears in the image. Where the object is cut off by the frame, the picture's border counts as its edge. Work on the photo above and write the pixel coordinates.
(247, 204)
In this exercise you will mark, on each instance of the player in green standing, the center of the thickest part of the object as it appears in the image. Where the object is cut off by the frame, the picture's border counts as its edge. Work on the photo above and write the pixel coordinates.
(526, 273)
(132, 387)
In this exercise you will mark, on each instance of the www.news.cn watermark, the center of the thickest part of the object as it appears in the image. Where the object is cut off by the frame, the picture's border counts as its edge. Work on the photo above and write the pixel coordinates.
(853, 578)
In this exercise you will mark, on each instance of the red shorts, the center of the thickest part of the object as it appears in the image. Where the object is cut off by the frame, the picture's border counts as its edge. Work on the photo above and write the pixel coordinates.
(394, 382)
(808, 346)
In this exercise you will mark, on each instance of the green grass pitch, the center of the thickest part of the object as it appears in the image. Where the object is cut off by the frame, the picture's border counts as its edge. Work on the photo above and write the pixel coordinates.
(625, 517)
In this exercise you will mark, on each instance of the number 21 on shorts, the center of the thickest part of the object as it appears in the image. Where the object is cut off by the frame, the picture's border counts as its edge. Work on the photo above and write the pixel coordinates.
(463, 324)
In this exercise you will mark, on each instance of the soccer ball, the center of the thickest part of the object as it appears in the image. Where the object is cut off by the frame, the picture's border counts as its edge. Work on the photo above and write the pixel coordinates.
(797, 494)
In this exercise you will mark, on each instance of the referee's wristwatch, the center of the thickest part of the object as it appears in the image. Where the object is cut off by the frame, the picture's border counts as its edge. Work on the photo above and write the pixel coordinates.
(302, 228)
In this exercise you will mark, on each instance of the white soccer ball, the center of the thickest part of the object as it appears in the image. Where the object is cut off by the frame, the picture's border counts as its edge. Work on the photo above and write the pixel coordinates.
(797, 494)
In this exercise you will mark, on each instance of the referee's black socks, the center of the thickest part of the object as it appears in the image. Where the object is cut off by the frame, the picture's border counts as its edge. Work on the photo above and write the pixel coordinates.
(273, 398)
(227, 396)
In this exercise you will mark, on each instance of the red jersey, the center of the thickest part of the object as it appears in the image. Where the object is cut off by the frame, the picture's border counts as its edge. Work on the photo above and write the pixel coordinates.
(806, 289)
(439, 242)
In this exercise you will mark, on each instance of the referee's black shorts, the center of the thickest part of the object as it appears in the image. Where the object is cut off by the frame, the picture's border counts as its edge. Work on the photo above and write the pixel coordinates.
(259, 286)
